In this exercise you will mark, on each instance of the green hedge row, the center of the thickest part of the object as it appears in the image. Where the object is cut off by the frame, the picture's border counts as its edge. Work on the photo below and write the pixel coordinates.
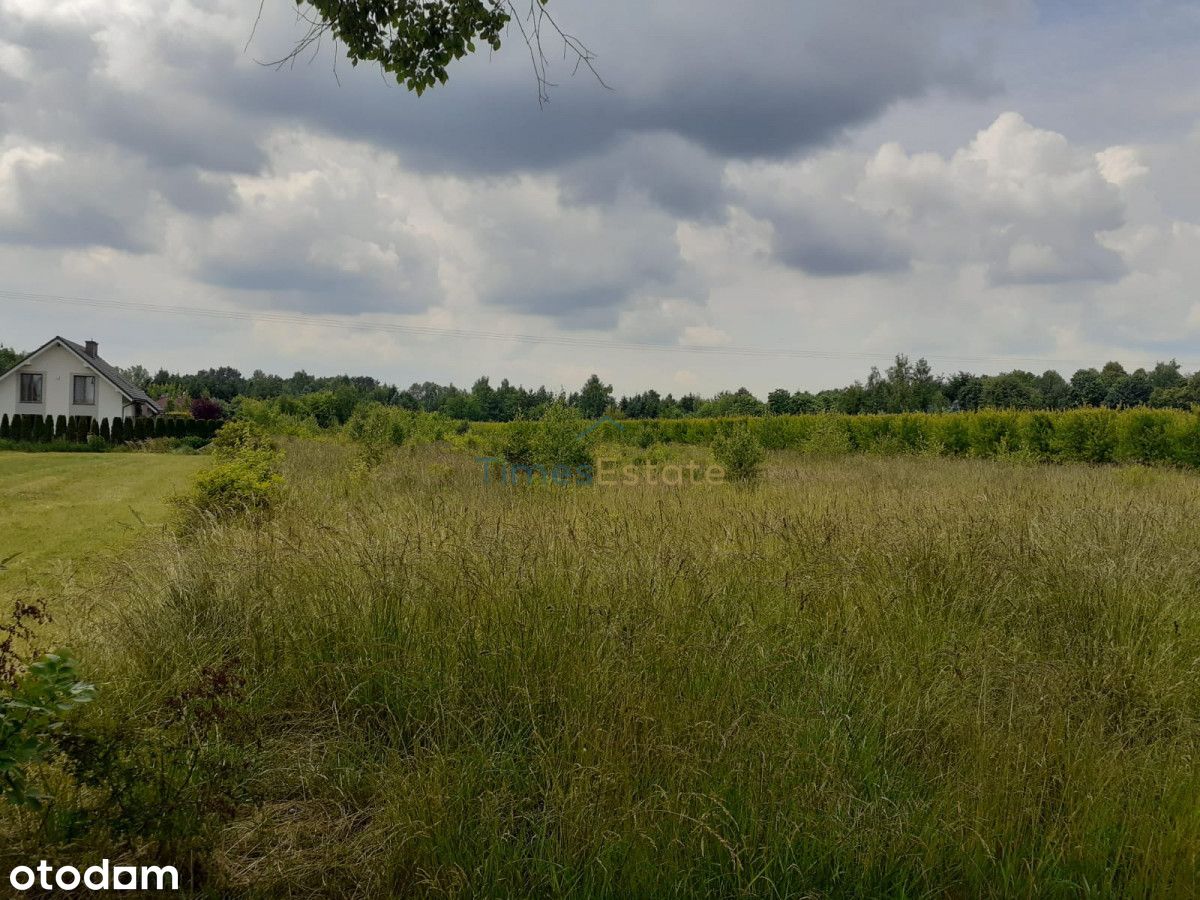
(79, 429)
(1079, 435)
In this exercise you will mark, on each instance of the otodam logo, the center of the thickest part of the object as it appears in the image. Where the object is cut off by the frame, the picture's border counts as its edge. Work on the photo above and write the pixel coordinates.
(100, 877)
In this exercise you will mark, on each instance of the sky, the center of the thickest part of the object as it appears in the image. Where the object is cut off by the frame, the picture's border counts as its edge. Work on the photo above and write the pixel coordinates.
(762, 194)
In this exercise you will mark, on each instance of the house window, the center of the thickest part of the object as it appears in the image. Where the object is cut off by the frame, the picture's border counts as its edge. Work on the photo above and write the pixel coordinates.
(31, 387)
(83, 390)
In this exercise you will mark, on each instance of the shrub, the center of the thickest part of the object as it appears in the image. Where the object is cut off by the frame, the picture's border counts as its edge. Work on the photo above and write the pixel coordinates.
(1085, 435)
(1144, 437)
(245, 478)
(953, 433)
(827, 437)
(993, 432)
(60, 428)
(247, 483)
(32, 709)
(517, 442)
(237, 438)
(375, 428)
(910, 432)
(740, 453)
(205, 409)
(1038, 433)
(559, 439)
(5, 428)
(1185, 439)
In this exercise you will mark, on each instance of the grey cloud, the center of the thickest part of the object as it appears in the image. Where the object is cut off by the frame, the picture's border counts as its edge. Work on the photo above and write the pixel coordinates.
(788, 77)
(170, 133)
(69, 99)
(817, 249)
(670, 171)
(281, 275)
(196, 192)
(64, 204)
(579, 267)
(294, 282)
(318, 245)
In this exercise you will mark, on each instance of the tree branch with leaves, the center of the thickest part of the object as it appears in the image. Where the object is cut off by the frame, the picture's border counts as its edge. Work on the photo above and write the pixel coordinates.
(416, 41)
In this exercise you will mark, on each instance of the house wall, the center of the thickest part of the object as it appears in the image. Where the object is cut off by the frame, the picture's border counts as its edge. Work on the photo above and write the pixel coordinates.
(58, 364)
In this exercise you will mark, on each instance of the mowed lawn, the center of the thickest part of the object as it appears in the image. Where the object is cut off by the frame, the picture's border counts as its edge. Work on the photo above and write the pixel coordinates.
(66, 511)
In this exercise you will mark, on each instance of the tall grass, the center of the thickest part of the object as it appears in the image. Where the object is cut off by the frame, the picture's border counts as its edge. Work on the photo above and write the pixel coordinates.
(865, 676)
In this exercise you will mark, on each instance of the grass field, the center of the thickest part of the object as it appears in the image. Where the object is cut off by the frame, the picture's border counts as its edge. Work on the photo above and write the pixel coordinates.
(864, 677)
(65, 512)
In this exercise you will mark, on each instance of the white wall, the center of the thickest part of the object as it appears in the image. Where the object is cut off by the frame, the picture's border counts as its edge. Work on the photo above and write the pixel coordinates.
(57, 365)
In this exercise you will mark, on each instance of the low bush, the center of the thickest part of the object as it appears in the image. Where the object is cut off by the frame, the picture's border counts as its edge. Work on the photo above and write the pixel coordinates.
(559, 439)
(33, 709)
(244, 479)
(827, 437)
(740, 453)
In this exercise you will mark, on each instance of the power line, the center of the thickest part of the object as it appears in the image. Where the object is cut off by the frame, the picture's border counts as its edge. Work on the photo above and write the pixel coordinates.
(309, 320)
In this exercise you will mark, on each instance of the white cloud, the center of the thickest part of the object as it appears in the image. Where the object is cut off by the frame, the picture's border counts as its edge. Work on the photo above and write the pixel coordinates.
(1019, 200)
(1121, 165)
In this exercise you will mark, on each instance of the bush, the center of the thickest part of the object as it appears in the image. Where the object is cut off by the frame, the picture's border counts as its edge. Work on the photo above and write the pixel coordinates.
(237, 438)
(740, 453)
(245, 478)
(250, 482)
(32, 709)
(827, 437)
(558, 439)
(1085, 435)
(205, 409)
(1144, 437)
(517, 442)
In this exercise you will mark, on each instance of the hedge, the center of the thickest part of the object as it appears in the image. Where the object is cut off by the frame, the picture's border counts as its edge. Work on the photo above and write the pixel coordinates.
(1092, 435)
(32, 429)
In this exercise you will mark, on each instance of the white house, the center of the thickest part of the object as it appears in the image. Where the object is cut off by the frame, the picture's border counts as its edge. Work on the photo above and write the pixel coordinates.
(62, 378)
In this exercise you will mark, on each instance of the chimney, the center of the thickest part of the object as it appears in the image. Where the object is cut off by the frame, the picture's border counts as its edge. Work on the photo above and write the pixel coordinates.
(92, 348)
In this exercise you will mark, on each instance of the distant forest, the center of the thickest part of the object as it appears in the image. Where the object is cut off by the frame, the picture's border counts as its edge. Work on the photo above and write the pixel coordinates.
(904, 386)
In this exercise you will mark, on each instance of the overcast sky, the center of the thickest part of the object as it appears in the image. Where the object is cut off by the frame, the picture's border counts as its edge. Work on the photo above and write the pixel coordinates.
(970, 180)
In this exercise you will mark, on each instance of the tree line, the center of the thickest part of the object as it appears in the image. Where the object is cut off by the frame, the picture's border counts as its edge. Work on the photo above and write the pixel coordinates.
(904, 386)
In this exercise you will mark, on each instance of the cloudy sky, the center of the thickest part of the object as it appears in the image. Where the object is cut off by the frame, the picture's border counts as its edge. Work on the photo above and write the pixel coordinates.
(776, 192)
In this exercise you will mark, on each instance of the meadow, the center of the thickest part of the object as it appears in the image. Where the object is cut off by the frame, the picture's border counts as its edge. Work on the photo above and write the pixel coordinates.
(61, 513)
(861, 676)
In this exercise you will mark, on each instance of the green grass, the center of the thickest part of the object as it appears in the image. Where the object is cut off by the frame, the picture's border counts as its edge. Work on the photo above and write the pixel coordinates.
(64, 513)
(866, 676)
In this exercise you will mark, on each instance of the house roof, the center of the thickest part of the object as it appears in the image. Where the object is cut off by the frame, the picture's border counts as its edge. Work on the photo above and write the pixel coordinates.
(109, 371)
